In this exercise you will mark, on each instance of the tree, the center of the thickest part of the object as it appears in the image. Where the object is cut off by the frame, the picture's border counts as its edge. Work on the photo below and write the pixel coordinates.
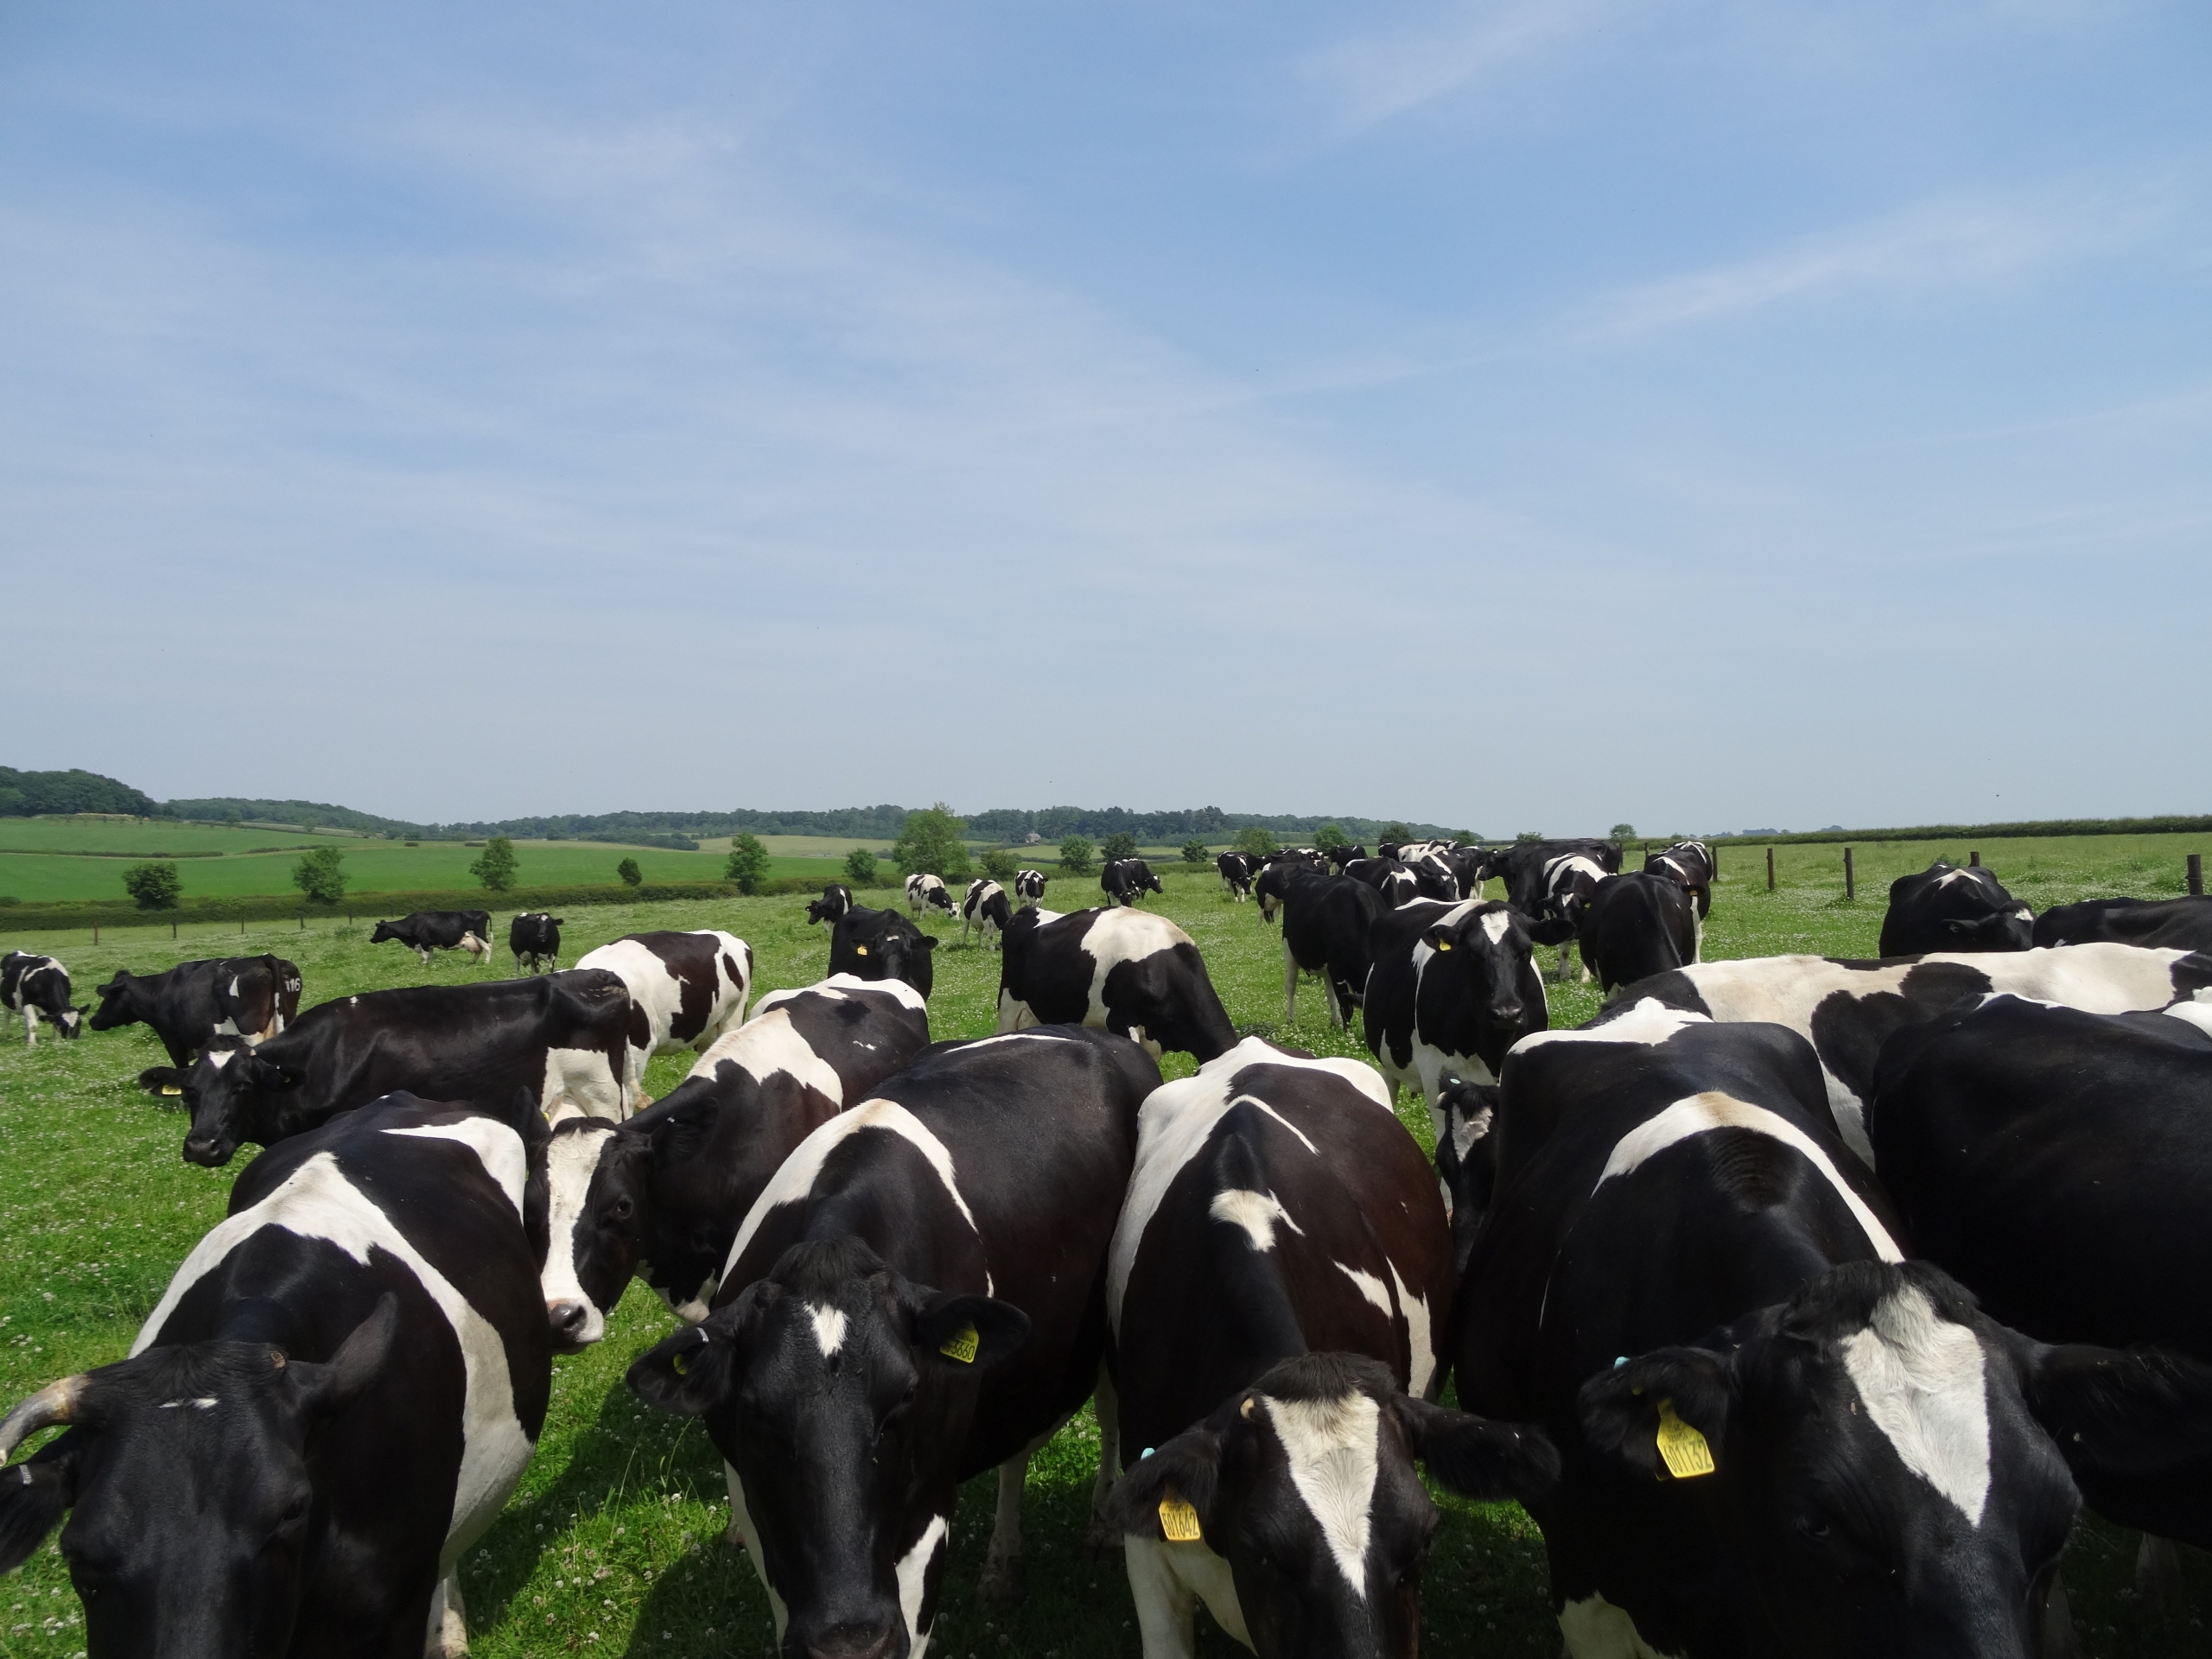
(1194, 852)
(1397, 832)
(630, 875)
(1465, 838)
(1526, 836)
(931, 845)
(859, 868)
(748, 863)
(153, 886)
(1075, 855)
(999, 864)
(1330, 836)
(1623, 832)
(1256, 841)
(1120, 844)
(321, 876)
(495, 867)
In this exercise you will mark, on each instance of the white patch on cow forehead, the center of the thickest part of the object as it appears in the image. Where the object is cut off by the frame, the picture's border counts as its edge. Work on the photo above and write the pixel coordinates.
(1650, 1021)
(498, 1147)
(1255, 1212)
(829, 1328)
(1920, 1378)
(1495, 924)
(1331, 1447)
(206, 1402)
(219, 1058)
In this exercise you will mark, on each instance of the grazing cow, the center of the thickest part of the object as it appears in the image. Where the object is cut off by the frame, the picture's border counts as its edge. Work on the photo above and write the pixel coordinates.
(187, 1005)
(1693, 864)
(441, 930)
(660, 1197)
(1530, 870)
(1341, 856)
(564, 1038)
(535, 937)
(836, 899)
(1946, 908)
(328, 1405)
(918, 1296)
(1847, 1009)
(1029, 887)
(1453, 989)
(1126, 881)
(1133, 974)
(927, 893)
(985, 908)
(1395, 881)
(1237, 870)
(685, 990)
(1274, 879)
(1410, 852)
(1776, 1436)
(1325, 921)
(1278, 1287)
(2169, 923)
(881, 944)
(33, 985)
(1636, 925)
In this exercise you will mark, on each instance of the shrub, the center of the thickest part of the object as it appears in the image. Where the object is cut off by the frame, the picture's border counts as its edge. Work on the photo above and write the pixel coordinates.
(1194, 852)
(1623, 832)
(1330, 836)
(1397, 832)
(495, 867)
(748, 863)
(1525, 836)
(1120, 844)
(321, 874)
(630, 875)
(859, 868)
(1075, 855)
(1256, 841)
(931, 845)
(153, 886)
(999, 864)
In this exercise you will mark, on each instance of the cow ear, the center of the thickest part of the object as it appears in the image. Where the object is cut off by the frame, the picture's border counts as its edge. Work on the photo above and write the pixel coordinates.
(1476, 1457)
(326, 1390)
(1185, 1471)
(1440, 938)
(33, 1497)
(1624, 1410)
(161, 1080)
(1551, 930)
(677, 1128)
(691, 1372)
(927, 941)
(2133, 1425)
(969, 1332)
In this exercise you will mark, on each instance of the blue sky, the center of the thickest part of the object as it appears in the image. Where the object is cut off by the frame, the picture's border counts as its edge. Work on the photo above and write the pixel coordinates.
(1515, 416)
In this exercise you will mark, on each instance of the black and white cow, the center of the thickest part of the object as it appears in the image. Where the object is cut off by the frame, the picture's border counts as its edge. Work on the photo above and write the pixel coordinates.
(1545, 879)
(1279, 1287)
(1453, 989)
(1847, 1009)
(1412, 851)
(562, 1038)
(1126, 881)
(1132, 974)
(1691, 863)
(881, 944)
(1029, 887)
(685, 990)
(425, 930)
(2169, 923)
(1776, 1435)
(918, 1296)
(330, 1403)
(1946, 908)
(35, 986)
(1340, 856)
(1635, 926)
(927, 893)
(660, 1196)
(191, 1004)
(1237, 870)
(836, 899)
(1325, 923)
(1395, 881)
(534, 936)
(985, 908)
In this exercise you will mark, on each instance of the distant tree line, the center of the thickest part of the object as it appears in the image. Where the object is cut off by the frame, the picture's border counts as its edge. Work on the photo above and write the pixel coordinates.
(28, 794)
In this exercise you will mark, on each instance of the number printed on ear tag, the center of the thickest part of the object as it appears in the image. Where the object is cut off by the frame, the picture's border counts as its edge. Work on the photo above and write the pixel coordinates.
(1178, 1520)
(962, 1343)
(1684, 1450)
(171, 1088)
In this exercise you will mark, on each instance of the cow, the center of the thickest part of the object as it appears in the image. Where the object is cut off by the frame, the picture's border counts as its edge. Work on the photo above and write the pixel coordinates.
(984, 907)
(1537, 880)
(1847, 1008)
(1276, 877)
(1326, 924)
(1395, 881)
(35, 986)
(328, 1407)
(1410, 852)
(534, 936)
(1237, 870)
(1340, 856)
(685, 990)
(191, 1004)
(1635, 926)
(660, 1196)
(425, 930)
(881, 944)
(1693, 864)
(1126, 881)
(1776, 1435)
(1279, 1288)
(927, 893)
(1136, 975)
(1946, 908)
(564, 1038)
(1453, 989)
(836, 899)
(1029, 887)
(2169, 923)
(918, 1296)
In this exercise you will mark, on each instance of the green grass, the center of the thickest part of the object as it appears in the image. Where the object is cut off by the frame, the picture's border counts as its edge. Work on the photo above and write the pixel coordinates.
(615, 1530)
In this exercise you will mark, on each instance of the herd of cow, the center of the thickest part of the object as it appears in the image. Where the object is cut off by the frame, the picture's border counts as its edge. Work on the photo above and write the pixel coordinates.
(1804, 1302)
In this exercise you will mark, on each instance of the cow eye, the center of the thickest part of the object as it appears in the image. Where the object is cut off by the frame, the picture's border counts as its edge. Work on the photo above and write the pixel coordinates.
(1813, 1525)
(621, 1209)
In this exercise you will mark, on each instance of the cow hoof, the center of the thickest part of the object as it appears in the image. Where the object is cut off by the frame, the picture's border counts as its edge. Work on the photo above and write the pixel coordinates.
(1004, 1581)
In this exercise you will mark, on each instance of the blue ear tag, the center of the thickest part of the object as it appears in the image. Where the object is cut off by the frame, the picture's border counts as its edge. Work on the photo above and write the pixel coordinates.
(1622, 1361)
(1147, 1452)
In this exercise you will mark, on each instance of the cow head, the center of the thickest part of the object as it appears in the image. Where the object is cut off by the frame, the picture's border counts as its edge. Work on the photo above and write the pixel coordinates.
(1479, 973)
(1467, 1156)
(234, 1093)
(189, 1483)
(892, 948)
(840, 1394)
(386, 931)
(121, 1002)
(1304, 1484)
(836, 899)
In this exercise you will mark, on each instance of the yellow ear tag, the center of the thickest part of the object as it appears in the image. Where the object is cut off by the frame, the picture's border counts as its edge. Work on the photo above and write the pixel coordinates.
(962, 1343)
(1444, 944)
(677, 1364)
(171, 1088)
(1683, 1449)
(860, 949)
(1179, 1521)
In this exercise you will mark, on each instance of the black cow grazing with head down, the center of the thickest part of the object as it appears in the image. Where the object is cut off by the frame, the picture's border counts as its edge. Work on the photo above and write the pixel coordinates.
(918, 1296)
(1279, 1287)
(985, 908)
(1776, 1436)
(1453, 989)
(1633, 926)
(1340, 856)
(1950, 909)
(1126, 881)
(191, 1004)
(1029, 887)
(534, 936)
(927, 893)
(34, 986)
(2166, 924)
(1691, 863)
(425, 930)
(881, 944)
(660, 1197)
(328, 1405)
(561, 1038)
(686, 989)
(1847, 1009)
(1133, 974)
(1326, 921)
(1237, 870)
(836, 899)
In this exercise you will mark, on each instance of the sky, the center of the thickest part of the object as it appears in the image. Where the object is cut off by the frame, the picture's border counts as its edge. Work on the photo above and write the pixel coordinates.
(1520, 415)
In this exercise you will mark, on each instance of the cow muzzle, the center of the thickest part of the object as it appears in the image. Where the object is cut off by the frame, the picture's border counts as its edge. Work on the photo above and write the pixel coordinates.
(208, 1151)
(852, 1642)
(574, 1322)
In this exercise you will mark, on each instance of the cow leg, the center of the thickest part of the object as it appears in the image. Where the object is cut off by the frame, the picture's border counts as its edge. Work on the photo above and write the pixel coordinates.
(448, 1638)
(423, 951)
(2157, 1571)
(2057, 1639)
(1336, 1004)
(1102, 1534)
(30, 1026)
(1289, 982)
(1004, 1577)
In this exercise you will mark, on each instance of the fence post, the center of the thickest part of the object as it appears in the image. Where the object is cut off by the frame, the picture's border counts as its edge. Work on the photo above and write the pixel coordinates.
(172, 929)
(96, 932)
(1769, 869)
(2196, 876)
(1850, 883)
(1973, 859)
(303, 924)
(1715, 851)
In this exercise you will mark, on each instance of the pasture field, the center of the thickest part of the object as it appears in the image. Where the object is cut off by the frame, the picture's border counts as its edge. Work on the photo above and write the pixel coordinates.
(612, 1543)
